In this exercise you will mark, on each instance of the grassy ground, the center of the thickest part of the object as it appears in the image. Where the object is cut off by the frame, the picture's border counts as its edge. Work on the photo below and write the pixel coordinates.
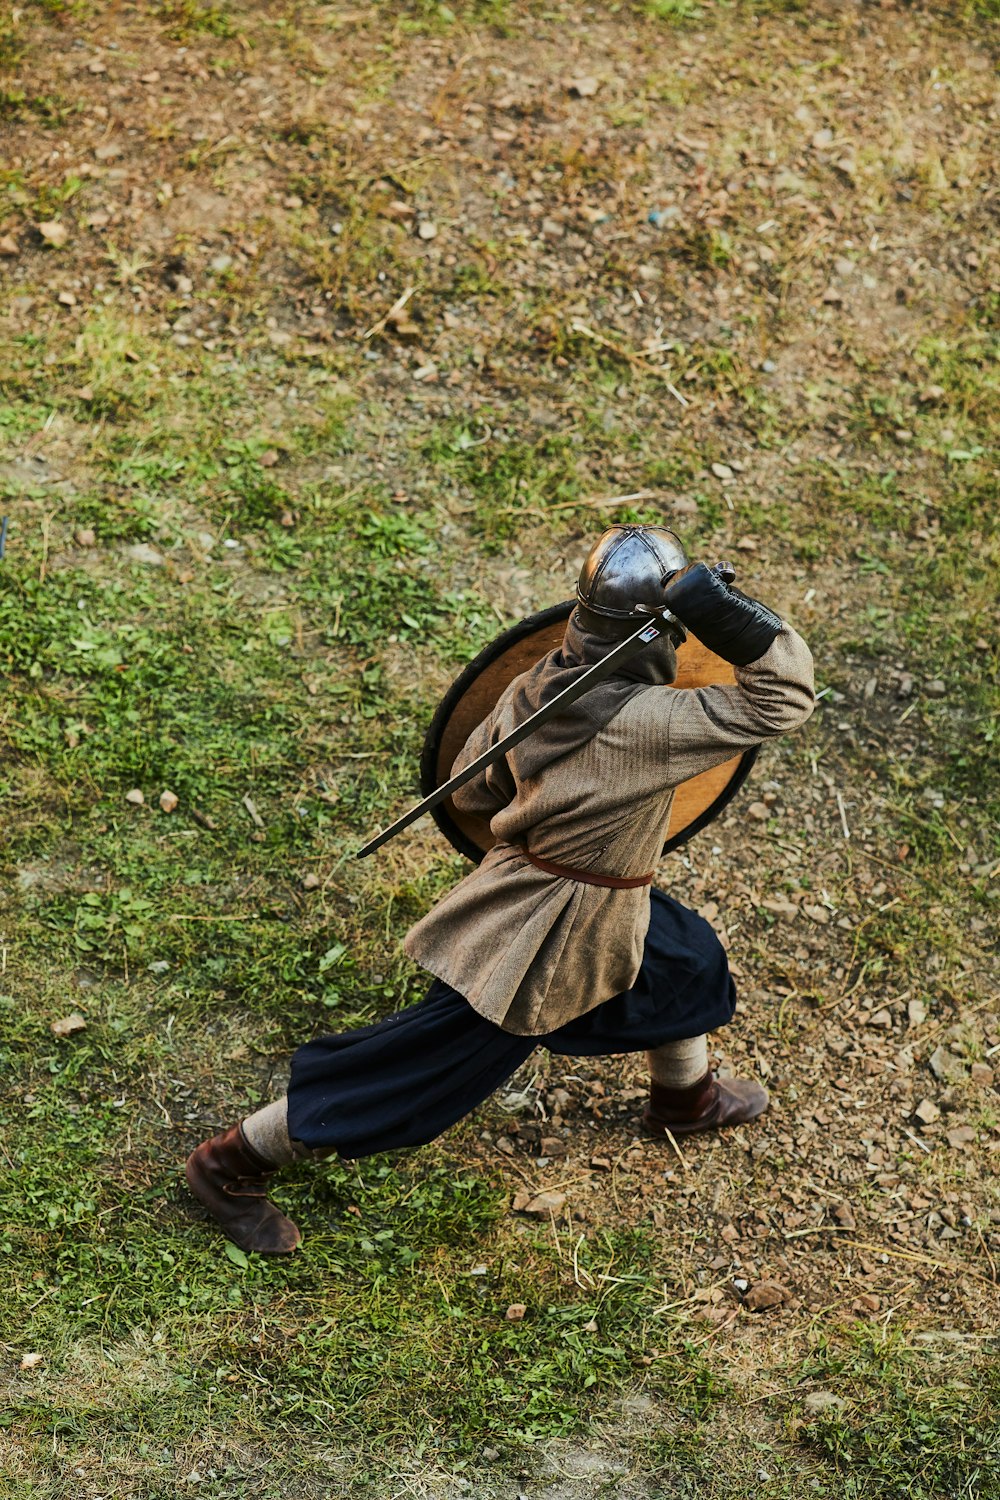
(734, 258)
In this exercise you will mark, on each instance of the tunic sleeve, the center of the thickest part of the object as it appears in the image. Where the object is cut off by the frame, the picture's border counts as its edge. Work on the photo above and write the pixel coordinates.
(701, 727)
(491, 790)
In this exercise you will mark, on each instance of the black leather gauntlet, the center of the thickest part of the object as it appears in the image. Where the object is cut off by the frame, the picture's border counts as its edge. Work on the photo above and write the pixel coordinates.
(736, 628)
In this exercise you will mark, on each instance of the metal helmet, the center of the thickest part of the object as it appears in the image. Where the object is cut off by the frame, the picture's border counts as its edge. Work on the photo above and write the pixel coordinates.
(626, 566)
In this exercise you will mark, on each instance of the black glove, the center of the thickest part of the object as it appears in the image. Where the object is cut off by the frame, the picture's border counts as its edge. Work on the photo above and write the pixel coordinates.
(736, 628)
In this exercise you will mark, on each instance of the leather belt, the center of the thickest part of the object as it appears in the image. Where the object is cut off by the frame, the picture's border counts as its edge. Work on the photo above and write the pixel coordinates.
(588, 877)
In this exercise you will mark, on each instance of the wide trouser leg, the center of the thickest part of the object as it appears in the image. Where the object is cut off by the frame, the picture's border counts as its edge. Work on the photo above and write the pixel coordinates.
(402, 1082)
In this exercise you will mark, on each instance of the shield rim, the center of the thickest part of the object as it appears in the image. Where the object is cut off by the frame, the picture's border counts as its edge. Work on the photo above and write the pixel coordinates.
(474, 669)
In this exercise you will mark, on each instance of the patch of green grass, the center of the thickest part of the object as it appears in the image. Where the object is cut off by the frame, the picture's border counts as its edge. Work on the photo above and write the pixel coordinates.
(186, 19)
(916, 1424)
(47, 108)
(675, 12)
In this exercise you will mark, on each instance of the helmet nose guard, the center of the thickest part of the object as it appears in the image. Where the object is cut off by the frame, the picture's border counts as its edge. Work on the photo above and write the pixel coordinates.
(627, 568)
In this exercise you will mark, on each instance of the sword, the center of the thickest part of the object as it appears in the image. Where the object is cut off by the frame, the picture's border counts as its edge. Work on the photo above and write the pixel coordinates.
(661, 623)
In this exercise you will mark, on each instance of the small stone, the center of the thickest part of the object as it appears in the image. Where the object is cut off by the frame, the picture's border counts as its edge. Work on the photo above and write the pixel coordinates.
(515, 1312)
(85, 537)
(135, 797)
(68, 1025)
(784, 909)
(905, 687)
(946, 1067)
(722, 471)
(927, 1112)
(869, 1302)
(766, 1294)
(109, 151)
(817, 914)
(9, 246)
(916, 1010)
(583, 88)
(54, 233)
(880, 1018)
(491, 1454)
(427, 230)
(844, 1215)
(152, 77)
(67, 299)
(823, 1403)
(268, 458)
(822, 140)
(935, 688)
(30, 1361)
(168, 801)
(759, 811)
(551, 1145)
(982, 1075)
(142, 552)
(311, 882)
(220, 263)
(542, 1205)
(962, 1135)
(600, 1163)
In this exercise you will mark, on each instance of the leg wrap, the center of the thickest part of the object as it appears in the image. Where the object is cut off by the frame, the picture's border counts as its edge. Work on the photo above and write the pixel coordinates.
(679, 1065)
(267, 1132)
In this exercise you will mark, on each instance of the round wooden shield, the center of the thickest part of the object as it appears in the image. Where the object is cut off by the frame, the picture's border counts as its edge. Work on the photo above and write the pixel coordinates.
(473, 696)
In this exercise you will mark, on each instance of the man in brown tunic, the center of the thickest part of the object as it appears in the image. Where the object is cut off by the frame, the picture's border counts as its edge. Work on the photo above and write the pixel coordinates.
(557, 938)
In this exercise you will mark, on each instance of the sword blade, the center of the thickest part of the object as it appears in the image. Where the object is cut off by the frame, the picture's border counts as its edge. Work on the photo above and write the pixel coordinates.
(631, 646)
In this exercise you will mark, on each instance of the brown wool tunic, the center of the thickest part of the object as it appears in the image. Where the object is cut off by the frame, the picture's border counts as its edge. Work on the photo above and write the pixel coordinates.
(531, 951)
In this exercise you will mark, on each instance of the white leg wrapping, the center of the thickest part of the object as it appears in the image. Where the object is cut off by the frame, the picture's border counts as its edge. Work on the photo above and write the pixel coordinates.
(679, 1065)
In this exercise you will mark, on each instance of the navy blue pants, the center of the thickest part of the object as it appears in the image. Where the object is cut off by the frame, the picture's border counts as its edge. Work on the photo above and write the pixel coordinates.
(407, 1079)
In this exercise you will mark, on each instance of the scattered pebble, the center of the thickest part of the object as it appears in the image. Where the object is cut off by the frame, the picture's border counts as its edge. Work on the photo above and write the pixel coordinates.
(765, 1295)
(935, 688)
(540, 1205)
(54, 233)
(142, 552)
(135, 796)
(168, 801)
(311, 881)
(68, 1025)
(515, 1312)
(823, 1403)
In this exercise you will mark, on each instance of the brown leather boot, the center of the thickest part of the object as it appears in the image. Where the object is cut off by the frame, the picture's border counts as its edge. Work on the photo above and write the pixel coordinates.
(228, 1176)
(709, 1105)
